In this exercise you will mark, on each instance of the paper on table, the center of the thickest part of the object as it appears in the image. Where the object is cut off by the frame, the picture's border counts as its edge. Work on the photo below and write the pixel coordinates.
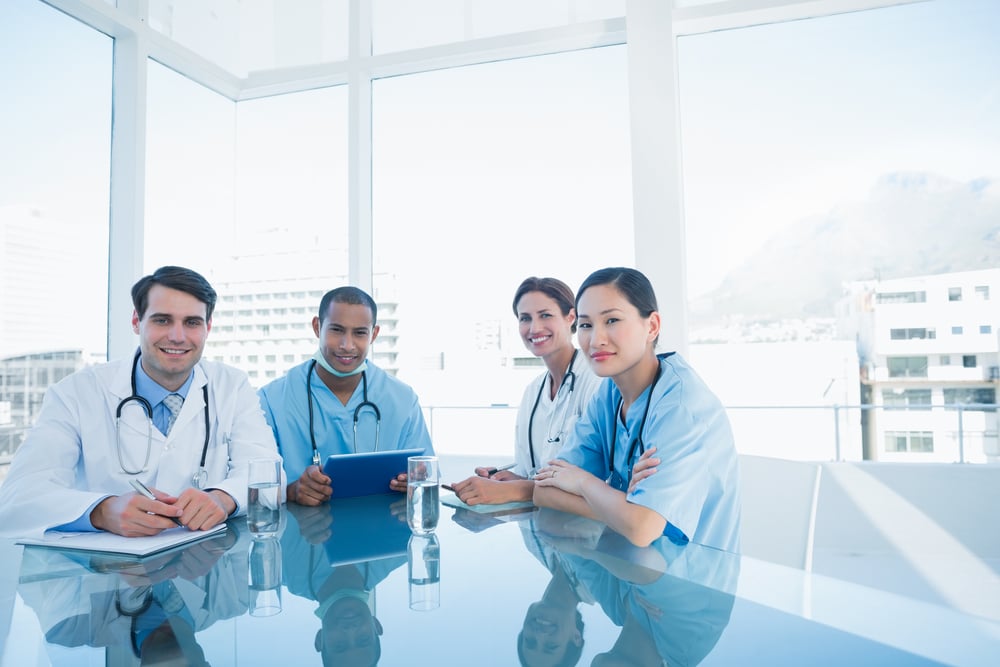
(506, 508)
(116, 544)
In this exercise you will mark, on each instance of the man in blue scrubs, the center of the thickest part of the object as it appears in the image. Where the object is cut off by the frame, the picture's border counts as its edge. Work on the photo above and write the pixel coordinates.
(339, 402)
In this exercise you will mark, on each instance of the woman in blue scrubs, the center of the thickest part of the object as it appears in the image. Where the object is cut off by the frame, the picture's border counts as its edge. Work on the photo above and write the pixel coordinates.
(653, 455)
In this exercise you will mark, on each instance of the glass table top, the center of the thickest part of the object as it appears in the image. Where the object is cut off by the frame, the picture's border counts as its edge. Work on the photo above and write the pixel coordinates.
(347, 584)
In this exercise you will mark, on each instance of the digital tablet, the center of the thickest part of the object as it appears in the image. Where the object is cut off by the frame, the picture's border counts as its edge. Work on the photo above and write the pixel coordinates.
(367, 528)
(367, 473)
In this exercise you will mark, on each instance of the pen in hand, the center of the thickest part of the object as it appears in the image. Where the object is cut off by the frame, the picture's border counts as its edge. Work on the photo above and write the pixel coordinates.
(143, 490)
(493, 471)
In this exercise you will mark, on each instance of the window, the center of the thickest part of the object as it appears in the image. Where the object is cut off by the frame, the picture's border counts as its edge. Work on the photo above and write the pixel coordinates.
(977, 395)
(969, 360)
(901, 297)
(270, 358)
(907, 366)
(983, 292)
(425, 160)
(909, 441)
(915, 399)
(956, 331)
(909, 334)
(985, 329)
(945, 360)
(954, 294)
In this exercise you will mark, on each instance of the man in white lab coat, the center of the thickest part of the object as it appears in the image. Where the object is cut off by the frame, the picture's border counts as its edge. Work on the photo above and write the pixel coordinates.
(184, 427)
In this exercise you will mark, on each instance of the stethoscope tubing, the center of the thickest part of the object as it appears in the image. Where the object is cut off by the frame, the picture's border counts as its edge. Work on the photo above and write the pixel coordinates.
(200, 477)
(365, 403)
(569, 377)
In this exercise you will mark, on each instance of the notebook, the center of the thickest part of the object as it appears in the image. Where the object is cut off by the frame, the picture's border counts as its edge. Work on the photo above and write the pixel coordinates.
(110, 543)
(367, 473)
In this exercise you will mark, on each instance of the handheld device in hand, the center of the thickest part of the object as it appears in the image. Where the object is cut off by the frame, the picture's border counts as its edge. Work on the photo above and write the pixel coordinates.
(367, 473)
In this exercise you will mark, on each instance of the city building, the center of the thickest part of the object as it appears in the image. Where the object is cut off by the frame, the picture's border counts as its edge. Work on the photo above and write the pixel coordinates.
(930, 351)
(263, 319)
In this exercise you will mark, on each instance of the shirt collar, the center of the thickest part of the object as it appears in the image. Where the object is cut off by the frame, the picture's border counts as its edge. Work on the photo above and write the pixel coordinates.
(152, 391)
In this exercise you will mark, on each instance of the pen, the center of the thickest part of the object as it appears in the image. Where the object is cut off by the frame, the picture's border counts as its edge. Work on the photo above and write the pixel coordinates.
(493, 471)
(144, 490)
(447, 488)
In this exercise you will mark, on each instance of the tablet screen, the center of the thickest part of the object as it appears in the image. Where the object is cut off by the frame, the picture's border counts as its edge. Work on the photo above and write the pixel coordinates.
(366, 473)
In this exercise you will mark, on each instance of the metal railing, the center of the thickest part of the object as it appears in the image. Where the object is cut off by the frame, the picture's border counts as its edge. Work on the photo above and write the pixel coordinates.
(495, 423)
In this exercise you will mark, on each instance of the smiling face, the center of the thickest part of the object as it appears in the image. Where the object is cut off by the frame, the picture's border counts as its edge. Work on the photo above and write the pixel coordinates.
(612, 332)
(345, 334)
(172, 334)
(543, 328)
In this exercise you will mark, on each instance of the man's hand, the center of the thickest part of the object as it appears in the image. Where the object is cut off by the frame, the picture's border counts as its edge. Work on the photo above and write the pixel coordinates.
(204, 509)
(398, 483)
(312, 488)
(134, 515)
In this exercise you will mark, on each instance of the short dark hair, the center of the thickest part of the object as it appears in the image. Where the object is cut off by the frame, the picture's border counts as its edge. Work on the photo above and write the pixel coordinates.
(178, 278)
(350, 295)
(553, 288)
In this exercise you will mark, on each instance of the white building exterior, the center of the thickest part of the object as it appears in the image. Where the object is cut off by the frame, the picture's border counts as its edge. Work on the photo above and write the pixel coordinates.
(263, 323)
(929, 344)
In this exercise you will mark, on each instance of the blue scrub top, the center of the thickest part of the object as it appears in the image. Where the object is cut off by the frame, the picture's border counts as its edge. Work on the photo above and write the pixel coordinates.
(285, 402)
(696, 487)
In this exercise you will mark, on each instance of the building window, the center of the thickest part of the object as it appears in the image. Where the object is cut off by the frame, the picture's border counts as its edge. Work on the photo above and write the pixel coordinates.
(907, 367)
(985, 329)
(954, 294)
(252, 359)
(956, 331)
(977, 395)
(983, 292)
(270, 358)
(968, 361)
(946, 360)
(914, 399)
(288, 358)
(909, 441)
(901, 297)
(909, 334)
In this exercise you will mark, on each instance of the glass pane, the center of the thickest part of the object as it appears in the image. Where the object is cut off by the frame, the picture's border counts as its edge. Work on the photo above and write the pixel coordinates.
(252, 35)
(844, 150)
(190, 184)
(55, 139)
(484, 176)
(403, 24)
(261, 188)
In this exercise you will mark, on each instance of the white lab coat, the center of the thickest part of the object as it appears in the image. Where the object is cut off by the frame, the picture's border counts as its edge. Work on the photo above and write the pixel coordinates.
(68, 460)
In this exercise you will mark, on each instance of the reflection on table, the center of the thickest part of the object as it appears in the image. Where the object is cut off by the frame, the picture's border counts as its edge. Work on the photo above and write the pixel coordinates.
(337, 587)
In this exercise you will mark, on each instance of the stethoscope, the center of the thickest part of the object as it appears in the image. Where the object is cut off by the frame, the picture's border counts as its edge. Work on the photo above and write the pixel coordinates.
(365, 403)
(200, 477)
(568, 379)
(617, 483)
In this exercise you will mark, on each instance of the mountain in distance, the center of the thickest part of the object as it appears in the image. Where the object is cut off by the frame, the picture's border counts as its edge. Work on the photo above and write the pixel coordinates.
(910, 224)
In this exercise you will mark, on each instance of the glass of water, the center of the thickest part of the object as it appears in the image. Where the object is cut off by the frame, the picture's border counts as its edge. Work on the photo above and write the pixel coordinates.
(422, 506)
(263, 497)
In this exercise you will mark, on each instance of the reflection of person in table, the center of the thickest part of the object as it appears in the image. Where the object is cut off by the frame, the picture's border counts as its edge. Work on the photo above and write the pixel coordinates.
(675, 618)
(552, 633)
(350, 633)
(145, 612)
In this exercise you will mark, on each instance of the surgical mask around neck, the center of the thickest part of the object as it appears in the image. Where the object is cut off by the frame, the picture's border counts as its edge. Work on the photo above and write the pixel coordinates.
(321, 360)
